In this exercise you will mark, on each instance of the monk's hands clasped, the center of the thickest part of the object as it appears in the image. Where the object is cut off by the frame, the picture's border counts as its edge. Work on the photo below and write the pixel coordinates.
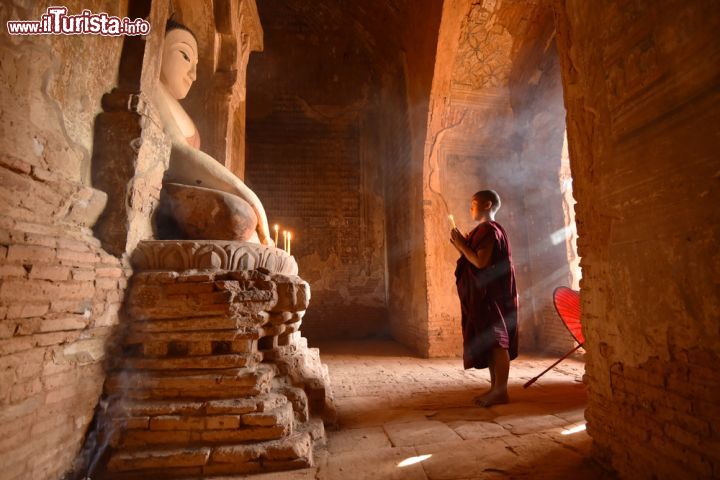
(457, 238)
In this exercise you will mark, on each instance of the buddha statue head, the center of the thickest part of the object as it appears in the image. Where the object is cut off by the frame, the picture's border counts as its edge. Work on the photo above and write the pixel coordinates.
(178, 70)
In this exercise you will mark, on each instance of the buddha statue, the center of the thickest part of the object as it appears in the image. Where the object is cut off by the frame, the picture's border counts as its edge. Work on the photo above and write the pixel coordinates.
(196, 185)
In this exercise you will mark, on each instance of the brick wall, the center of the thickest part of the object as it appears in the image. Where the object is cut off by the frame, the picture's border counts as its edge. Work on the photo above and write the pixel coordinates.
(640, 86)
(60, 295)
(59, 291)
(337, 114)
(314, 158)
(405, 103)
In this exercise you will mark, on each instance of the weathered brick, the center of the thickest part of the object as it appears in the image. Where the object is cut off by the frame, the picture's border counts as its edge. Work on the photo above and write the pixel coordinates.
(11, 414)
(69, 322)
(60, 394)
(134, 438)
(244, 434)
(106, 283)
(83, 274)
(15, 164)
(235, 405)
(27, 310)
(109, 272)
(57, 365)
(222, 422)
(72, 244)
(52, 382)
(169, 459)
(174, 422)
(236, 453)
(48, 423)
(136, 423)
(16, 344)
(189, 288)
(30, 253)
(49, 272)
(25, 389)
(26, 364)
(279, 416)
(71, 289)
(12, 270)
(19, 290)
(7, 379)
(54, 338)
(41, 240)
(27, 326)
(71, 306)
(297, 446)
(16, 431)
(71, 257)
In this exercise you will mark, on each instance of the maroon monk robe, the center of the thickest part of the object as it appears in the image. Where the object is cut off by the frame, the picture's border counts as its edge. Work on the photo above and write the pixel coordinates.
(488, 298)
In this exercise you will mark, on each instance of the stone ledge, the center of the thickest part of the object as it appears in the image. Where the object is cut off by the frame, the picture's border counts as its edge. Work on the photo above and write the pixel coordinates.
(181, 255)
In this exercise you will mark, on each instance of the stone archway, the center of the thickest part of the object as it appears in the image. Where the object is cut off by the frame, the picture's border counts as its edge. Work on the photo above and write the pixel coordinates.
(496, 121)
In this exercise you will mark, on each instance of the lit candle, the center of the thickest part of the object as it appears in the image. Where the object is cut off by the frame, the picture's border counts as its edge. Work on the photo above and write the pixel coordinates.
(289, 241)
(452, 221)
(285, 240)
(276, 233)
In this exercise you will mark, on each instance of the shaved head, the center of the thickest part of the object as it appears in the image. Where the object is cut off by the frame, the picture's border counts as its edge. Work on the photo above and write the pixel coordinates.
(488, 196)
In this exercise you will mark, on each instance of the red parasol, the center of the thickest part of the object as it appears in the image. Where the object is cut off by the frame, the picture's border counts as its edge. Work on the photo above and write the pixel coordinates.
(567, 304)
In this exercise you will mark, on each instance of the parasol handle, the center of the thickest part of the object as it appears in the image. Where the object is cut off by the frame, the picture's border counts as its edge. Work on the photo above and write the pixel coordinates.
(533, 380)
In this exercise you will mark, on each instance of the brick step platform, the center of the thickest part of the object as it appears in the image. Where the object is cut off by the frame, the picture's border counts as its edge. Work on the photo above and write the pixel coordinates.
(290, 452)
(214, 378)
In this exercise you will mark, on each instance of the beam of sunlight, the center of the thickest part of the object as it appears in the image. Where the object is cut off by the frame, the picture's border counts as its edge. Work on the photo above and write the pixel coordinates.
(575, 429)
(413, 460)
(559, 236)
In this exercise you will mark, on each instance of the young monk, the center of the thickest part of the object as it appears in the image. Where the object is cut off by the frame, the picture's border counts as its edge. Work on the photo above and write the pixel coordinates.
(485, 279)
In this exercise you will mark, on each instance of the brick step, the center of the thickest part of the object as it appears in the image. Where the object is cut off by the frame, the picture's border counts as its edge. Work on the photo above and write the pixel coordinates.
(172, 430)
(197, 336)
(145, 386)
(292, 451)
(174, 349)
(198, 324)
(206, 362)
(203, 428)
(260, 403)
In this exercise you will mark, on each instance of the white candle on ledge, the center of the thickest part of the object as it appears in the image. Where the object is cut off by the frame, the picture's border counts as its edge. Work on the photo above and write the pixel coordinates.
(289, 242)
(276, 234)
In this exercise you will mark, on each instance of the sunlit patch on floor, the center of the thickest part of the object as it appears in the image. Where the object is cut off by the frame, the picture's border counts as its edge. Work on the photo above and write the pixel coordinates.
(413, 460)
(575, 429)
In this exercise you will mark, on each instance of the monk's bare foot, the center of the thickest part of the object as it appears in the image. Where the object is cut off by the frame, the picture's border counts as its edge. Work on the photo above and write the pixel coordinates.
(492, 398)
(482, 396)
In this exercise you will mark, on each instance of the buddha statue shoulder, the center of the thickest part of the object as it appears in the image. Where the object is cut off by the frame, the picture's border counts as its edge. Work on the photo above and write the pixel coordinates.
(193, 176)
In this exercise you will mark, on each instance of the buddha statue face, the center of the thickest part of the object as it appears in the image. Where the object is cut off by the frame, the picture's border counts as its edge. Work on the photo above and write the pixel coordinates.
(179, 62)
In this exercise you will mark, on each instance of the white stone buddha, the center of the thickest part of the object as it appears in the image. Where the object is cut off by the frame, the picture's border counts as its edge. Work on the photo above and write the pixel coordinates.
(189, 166)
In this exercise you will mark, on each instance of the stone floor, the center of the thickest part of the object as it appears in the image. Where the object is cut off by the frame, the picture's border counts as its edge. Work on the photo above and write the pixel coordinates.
(393, 406)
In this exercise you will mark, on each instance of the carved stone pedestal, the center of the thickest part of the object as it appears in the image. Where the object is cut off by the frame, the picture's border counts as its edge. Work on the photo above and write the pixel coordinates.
(215, 377)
